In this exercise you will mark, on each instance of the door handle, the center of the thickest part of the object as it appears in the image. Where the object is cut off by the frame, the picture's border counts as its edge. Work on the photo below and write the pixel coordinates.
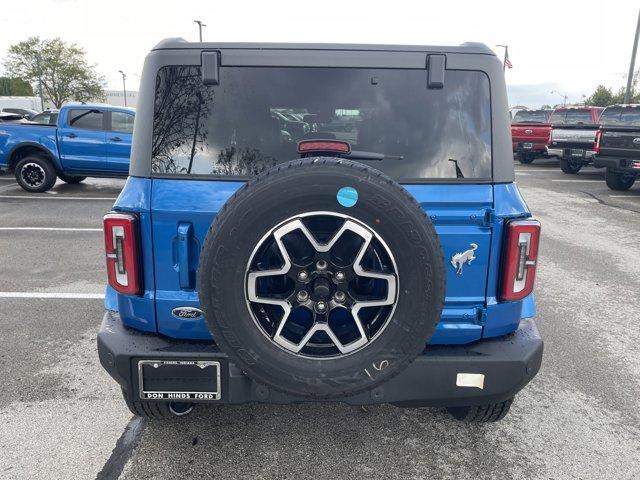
(115, 139)
(71, 135)
(185, 233)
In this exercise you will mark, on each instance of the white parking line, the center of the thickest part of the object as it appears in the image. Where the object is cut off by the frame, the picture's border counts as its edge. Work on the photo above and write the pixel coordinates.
(51, 295)
(39, 197)
(53, 229)
(529, 170)
(623, 196)
(578, 181)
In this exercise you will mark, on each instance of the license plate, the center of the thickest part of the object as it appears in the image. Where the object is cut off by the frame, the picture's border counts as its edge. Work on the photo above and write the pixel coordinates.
(577, 152)
(527, 146)
(179, 380)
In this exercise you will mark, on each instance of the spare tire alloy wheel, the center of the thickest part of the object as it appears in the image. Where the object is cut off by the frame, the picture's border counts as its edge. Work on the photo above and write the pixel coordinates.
(322, 290)
(316, 296)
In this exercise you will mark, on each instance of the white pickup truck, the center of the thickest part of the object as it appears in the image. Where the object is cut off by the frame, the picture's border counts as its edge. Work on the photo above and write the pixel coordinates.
(573, 136)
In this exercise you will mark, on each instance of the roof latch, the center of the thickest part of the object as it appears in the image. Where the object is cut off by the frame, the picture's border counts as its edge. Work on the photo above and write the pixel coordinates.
(210, 67)
(435, 70)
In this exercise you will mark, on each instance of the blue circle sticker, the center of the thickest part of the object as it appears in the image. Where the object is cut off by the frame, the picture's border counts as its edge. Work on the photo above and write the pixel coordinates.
(347, 196)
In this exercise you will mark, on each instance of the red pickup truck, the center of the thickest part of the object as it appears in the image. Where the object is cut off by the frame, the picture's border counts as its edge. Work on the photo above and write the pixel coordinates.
(530, 133)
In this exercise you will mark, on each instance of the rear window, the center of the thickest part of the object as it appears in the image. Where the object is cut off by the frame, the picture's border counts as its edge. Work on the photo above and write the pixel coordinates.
(571, 117)
(254, 118)
(531, 117)
(621, 117)
(85, 119)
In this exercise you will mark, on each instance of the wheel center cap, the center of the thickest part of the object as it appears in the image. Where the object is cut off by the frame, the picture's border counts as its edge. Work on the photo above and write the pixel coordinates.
(321, 288)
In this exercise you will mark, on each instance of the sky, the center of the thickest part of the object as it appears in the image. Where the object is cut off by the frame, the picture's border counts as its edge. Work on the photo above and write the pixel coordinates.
(568, 46)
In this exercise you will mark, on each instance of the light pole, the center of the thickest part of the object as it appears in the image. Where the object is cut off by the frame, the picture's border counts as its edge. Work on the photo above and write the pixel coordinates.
(124, 86)
(200, 25)
(627, 93)
(564, 97)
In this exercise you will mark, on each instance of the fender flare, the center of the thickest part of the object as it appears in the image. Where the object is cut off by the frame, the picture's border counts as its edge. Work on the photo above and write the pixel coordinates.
(53, 156)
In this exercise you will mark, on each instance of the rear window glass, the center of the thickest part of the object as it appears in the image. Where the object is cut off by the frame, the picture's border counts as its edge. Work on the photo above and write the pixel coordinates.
(85, 119)
(531, 116)
(571, 117)
(254, 118)
(621, 117)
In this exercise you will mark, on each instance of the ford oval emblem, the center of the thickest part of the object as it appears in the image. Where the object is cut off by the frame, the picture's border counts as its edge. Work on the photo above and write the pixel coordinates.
(187, 313)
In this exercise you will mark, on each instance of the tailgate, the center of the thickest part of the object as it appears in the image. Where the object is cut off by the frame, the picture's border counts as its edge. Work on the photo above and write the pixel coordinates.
(462, 215)
(530, 132)
(620, 142)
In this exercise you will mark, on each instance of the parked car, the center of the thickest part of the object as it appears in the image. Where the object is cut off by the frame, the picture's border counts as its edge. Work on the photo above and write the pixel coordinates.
(11, 117)
(530, 134)
(573, 136)
(247, 269)
(23, 112)
(88, 141)
(618, 145)
(49, 117)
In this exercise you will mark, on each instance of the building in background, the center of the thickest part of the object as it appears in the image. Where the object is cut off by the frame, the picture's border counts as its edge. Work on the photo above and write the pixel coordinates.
(31, 103)
(112, 97)
(116, 97)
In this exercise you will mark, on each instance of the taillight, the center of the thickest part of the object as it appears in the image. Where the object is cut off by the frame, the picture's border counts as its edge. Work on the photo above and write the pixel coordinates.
(596, 146)
(519, 261)
(319, 146)
(121, 245)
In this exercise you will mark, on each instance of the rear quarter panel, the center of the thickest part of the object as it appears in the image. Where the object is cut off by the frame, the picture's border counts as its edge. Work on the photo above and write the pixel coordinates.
(14, 136)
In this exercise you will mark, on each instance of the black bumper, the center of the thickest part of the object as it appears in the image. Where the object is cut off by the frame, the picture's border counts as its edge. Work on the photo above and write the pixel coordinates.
(616, 163)
(508, 363)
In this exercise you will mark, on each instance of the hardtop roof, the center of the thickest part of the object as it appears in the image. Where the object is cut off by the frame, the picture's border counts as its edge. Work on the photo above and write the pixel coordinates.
(181, 44)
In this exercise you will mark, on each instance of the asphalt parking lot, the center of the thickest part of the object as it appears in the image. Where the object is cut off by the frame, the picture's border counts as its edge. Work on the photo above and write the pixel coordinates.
(61, 416)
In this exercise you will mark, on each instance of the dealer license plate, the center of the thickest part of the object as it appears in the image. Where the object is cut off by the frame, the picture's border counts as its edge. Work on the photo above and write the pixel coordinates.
(527, 146)
(179, 380)
(576, 152)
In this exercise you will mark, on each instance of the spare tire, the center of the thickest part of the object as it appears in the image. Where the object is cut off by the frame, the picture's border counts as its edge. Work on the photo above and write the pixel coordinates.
(322, 278)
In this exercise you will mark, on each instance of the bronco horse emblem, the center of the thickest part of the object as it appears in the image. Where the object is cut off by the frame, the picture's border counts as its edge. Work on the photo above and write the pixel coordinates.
(459, 259)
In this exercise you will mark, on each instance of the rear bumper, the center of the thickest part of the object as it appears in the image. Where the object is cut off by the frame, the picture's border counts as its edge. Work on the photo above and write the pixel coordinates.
(616, 163)
(519, 146)
(508, 363)
(563, 153)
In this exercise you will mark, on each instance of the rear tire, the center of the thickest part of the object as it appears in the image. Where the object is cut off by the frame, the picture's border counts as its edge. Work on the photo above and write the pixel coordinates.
(35, 174)
(158, 410)
(619, 180)
(570, 166)
(526, 158)
(488, 413)
(70, 179)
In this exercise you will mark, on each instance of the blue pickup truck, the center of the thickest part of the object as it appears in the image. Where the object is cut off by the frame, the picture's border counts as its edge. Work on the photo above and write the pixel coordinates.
(88, 141)
(382, 255)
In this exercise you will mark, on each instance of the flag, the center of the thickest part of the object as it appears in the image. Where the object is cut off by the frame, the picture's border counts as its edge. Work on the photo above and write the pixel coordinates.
(507, 62)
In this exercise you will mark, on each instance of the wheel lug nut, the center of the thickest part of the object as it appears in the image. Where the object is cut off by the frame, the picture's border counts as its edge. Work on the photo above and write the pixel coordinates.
(302, 296)
(340, 276)
(303, 276)
(339, 296)
(321, 307)
(321, 265)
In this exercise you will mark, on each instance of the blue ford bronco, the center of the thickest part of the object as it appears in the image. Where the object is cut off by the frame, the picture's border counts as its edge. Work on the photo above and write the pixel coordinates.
(321, 223)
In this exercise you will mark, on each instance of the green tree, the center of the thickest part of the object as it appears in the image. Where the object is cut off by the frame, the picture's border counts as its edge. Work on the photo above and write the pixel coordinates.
(15, 87)
(63, 70)
(602, 97)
